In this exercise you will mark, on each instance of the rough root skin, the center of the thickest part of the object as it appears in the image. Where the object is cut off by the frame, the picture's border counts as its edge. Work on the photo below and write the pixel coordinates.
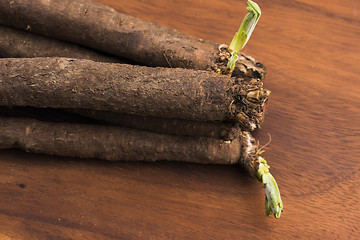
(249, 158)
(245, 67)
(249, 106)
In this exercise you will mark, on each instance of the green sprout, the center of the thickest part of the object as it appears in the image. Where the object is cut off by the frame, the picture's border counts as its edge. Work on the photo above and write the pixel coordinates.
(273, 203)
(243, 34)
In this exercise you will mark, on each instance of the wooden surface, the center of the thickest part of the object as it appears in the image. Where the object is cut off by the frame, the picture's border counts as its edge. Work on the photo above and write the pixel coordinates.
(311, 50)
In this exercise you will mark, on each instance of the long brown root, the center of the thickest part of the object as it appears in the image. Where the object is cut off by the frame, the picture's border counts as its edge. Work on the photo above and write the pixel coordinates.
(21, 44)
(102, 28)
(159, 92)
(212, 129)
(113, 143)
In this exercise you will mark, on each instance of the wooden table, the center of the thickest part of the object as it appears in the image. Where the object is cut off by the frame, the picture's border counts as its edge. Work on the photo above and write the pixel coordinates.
(312, 51)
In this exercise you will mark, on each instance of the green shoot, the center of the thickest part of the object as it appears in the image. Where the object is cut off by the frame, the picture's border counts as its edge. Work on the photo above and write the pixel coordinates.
(273, 203)
(243, 34)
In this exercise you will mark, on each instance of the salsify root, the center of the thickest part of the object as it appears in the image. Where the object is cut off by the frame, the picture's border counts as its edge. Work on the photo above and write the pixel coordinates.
(211, 129)
(159, 92)
(102, 28)
(112, 143)
(116, 143)
(16, 43)
(21, 44)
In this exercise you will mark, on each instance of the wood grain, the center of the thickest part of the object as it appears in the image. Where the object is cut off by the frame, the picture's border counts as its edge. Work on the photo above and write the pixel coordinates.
(311, 51)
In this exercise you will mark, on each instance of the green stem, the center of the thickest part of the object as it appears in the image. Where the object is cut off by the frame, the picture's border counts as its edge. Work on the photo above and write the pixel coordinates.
(273, 203)
(243, 34)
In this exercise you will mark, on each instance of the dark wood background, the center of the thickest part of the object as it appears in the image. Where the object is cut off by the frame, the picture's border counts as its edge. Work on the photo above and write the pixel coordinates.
(312, 52)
